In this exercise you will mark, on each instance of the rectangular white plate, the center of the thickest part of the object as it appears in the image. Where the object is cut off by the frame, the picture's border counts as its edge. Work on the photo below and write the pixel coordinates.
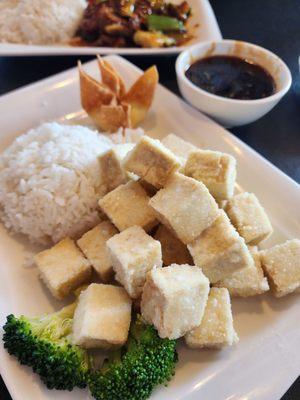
(266, 360)
(203, 16)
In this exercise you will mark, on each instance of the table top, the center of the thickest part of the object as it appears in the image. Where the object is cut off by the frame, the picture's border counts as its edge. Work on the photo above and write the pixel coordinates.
(270, 23)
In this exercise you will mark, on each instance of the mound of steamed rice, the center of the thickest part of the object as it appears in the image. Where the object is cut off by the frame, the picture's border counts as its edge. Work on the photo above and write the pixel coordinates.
(50, 183)
(39, 21)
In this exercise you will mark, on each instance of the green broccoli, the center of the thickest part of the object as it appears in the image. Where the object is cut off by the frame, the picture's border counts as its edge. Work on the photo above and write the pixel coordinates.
(44, 344)
(133, 372)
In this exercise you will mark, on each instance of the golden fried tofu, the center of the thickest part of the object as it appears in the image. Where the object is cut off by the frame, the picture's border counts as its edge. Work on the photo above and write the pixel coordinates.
(150, 189)
(249, 218)
(215, 169)
(151, 161)
(220, 251)
(173, 250)
(128, 205)
(133, 254)
(63, 268)
(93, 246)
(174, 299)
(177, 145)
(216, 329)
(185, 206)
(181, 148)
(111, 169)
(248, 281)
(281, 264)
(102, 317)
(222, 203)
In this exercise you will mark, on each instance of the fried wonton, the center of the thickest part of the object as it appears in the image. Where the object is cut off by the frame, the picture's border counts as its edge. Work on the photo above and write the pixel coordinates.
(140, 95)
(111, 78)
(107, 102)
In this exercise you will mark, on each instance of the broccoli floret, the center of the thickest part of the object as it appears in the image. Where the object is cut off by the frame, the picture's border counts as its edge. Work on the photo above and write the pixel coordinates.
(44, 343)
(133, 372)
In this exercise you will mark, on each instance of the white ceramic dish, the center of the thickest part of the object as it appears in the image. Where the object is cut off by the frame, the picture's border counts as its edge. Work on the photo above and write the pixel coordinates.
(203, 16)
(232, 112)
(266, 360)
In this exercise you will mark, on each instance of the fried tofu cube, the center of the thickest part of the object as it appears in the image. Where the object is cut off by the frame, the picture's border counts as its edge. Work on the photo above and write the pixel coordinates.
(248, 281)
(185, 206)
(150, 189)
(281, 264)
(222, 203)
(216, 329)
(181, 148)
(102, 317)
(174, 299)
(111, 169)
(220, 251)
(178, 146)
(215, 169)
(128, 205)
(249, 218)
(151, 161)
(173, 250)
(93, 246)
(133, 254)
(63, 268)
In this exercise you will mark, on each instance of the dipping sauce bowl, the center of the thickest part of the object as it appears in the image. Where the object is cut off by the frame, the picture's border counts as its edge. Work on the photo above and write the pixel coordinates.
(227, 111)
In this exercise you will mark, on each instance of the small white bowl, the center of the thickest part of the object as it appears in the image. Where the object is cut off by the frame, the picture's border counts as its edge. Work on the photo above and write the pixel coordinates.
(232, 112)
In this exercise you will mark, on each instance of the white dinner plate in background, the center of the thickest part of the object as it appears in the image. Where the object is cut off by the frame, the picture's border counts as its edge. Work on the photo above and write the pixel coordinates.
(203, 16)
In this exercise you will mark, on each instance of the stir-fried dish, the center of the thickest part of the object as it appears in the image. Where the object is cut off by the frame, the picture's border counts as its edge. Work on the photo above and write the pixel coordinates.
(131, 23)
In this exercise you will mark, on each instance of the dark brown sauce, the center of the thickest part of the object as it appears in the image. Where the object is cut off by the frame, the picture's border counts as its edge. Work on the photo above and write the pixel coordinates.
(231, 77)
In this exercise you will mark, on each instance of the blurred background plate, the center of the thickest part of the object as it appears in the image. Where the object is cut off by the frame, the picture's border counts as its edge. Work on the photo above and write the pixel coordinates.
(203, 25)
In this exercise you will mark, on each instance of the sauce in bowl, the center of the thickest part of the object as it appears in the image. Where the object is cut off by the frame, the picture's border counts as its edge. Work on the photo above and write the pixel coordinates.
(231, 77)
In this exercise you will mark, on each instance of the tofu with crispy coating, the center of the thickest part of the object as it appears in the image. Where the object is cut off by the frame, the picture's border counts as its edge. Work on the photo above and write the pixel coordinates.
(281, 264)
(181, 148)
(215, 169)
(222, 203)
(174, 299)
(102, 317)
(220, 251)
(128, 205)
(248, 281)
(150, 189)
(93, 246)
(173, 250)
(151, 161)
(133, 254)
(63, 268)
(216, 329)
(249, 218)
(111, 169)
(177, 145)
(185, 206)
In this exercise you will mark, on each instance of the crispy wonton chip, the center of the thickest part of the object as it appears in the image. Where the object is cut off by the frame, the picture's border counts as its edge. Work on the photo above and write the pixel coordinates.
(110, 118)
(140, 95)
(107, 102)
(93, 93)
(111, 78)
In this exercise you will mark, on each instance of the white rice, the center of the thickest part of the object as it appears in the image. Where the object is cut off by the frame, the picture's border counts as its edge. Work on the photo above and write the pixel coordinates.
(39, 21)
(50, 182)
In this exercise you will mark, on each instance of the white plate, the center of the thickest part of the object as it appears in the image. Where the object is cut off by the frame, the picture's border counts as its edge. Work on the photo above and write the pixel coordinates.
(266, 361)
(203, 16)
